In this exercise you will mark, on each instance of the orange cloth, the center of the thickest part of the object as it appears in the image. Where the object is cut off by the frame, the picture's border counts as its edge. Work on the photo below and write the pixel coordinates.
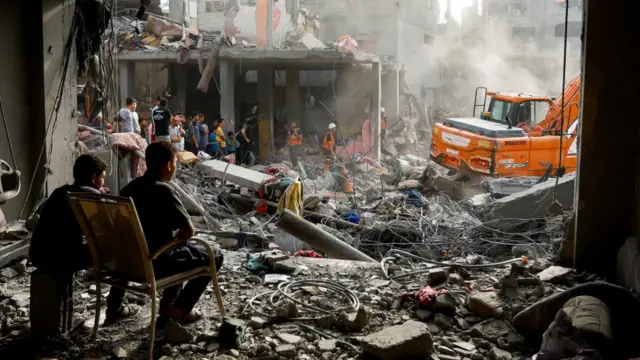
(383, 123)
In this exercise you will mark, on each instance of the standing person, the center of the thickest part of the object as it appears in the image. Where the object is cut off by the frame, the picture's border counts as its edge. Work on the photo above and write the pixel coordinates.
(125, 117)
(157, 105)
(294, 141)
(164, 219)
(162, 121)
(383, 123)
(213, 146)
(134, 116)
(192, 135)
(329, 146)
(202, 131)
(145, 131)
(244, 143)
(177, 134)
(232, 144)
(220, 137)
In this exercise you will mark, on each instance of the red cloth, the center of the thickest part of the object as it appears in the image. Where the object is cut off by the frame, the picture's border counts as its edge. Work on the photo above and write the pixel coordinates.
(310, 253)
(426, 296)
(131, 141)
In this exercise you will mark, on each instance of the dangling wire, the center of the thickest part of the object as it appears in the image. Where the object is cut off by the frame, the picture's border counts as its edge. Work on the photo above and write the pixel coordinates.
(6, 131)
(560, 171)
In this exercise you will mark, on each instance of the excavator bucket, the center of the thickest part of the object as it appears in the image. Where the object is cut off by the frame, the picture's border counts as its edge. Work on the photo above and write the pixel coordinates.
(9, 182)
(457, 186)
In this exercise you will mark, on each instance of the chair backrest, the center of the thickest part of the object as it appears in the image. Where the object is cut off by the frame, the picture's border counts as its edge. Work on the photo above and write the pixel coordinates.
(114, 235)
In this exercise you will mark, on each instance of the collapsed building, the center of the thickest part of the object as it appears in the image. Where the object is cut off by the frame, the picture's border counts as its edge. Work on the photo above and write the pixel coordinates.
(392, 269)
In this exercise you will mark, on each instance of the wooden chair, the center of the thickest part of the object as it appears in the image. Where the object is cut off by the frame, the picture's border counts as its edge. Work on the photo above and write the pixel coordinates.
(120, 253)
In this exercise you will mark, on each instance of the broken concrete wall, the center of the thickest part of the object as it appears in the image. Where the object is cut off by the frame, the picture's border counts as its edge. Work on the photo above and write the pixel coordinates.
(151, 79)
(533, 203)
(61, 138)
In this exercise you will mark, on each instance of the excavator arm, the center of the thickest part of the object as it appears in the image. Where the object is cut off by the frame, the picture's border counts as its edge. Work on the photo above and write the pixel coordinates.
(554, 121)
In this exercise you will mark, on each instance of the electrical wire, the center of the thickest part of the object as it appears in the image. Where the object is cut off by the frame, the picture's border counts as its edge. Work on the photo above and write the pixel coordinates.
(560, 171)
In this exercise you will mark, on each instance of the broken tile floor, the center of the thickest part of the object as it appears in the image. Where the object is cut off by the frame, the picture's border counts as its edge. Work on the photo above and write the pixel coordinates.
(470, 320)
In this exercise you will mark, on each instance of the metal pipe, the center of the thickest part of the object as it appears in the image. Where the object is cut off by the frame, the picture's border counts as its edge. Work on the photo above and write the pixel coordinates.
(318, 238)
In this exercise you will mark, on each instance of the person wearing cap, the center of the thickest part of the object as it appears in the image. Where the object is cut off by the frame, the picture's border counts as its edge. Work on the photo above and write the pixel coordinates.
(329, 146)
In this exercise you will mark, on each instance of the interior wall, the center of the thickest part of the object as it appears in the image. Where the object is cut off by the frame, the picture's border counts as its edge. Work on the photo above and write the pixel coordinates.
(21, 73)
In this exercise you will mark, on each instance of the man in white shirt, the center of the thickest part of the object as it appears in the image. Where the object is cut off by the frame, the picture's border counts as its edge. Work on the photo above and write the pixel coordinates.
(177, 134)
(128, 121)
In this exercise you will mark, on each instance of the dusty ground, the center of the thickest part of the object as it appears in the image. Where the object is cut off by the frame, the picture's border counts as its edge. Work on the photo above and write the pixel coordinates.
(457, 332)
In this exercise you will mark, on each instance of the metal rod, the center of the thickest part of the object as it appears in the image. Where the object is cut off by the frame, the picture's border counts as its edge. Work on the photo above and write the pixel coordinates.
(318, 238)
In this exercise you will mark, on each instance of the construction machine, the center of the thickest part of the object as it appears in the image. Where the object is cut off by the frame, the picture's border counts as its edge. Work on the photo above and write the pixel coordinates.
(514, 136)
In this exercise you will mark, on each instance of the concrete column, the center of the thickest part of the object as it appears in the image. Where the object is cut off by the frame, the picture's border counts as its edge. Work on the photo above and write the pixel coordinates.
(376, 94)
(293, 95)
(391, 91)
(607, 201)
(178, 82)
(127, 80)
(176, 10)
(227, 93)
(265, 112)
(269, 40)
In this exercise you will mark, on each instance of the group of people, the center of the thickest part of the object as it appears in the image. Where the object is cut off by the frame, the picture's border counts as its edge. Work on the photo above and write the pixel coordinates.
(191, 133)
(162, 216)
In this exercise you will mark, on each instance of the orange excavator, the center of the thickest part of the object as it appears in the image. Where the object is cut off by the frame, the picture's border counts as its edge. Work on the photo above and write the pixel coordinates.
(517, 135)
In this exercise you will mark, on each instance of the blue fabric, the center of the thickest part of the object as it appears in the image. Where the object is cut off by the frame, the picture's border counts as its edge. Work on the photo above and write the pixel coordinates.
(351, 216)
(413, 197)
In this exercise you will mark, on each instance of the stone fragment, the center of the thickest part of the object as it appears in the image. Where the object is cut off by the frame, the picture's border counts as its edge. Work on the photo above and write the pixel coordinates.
(327, 345)
(119, 353)
(499, 354)
(257, 322)
(443, 321)
(485, 304)
(461, 323)
(286, 350)
(175, 333)
(409, 340)
(354, 322)
(231, 333)
(289, 338)
(436, 277)
(492, 330)
(555, 274)
(445, 303)
(423, 314)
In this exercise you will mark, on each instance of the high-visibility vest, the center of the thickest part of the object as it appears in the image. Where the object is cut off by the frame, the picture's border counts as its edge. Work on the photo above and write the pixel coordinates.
(294, 139)
(329, 141)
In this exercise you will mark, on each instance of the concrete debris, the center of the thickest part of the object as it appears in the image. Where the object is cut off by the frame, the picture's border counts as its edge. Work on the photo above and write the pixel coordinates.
(409, 340)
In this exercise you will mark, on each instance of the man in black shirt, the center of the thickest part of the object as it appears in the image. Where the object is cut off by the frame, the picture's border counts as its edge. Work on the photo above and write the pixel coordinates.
(162, 120)
(57, 243)
(163, 219)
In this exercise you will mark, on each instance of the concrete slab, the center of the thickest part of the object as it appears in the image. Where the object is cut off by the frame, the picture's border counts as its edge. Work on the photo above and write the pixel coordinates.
(314, 55)
(234, 174)
(332, 265)
(532, 203)
(411, 340)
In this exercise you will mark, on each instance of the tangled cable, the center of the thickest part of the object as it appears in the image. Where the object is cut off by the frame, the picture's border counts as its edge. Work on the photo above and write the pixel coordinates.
(439, 263)
(288, 290)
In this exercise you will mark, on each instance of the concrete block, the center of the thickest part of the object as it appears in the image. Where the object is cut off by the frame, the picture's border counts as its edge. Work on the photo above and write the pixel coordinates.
(238, 175)
(411, 340)
(532, 203)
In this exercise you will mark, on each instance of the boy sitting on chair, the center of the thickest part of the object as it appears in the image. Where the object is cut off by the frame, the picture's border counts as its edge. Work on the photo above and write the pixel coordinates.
(164, 219)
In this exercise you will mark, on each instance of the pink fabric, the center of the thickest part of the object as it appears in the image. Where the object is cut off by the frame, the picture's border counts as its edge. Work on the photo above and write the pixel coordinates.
(131, 141)
(356, 147)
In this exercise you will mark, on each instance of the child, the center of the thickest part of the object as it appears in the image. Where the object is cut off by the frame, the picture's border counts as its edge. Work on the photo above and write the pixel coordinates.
(214, 145)
(231, 143)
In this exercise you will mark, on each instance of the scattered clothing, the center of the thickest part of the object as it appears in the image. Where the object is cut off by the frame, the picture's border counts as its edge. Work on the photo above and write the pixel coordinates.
(131, 142)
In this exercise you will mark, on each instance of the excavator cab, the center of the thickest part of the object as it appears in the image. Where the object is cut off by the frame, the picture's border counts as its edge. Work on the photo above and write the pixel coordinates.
(517, 110)
(9, 182)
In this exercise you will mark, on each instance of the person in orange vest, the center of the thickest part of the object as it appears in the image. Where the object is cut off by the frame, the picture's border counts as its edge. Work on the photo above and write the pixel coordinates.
(294, 141)
(383, 123)
(329, 146)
